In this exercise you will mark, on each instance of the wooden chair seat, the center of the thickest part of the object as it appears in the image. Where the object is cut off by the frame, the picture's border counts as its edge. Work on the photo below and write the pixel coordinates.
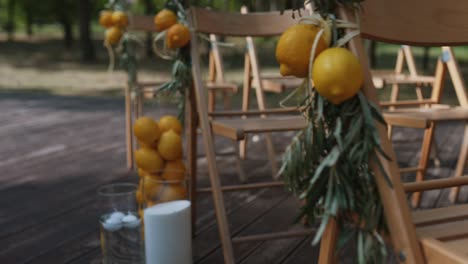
(279, 84)
(222, 86)
(385, 77)
(236, 129)
(443, 233)
(430, 114)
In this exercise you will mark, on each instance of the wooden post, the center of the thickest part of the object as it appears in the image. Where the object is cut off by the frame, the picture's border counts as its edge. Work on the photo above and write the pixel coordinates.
(397, 212)
(328, 243)
(191, 133)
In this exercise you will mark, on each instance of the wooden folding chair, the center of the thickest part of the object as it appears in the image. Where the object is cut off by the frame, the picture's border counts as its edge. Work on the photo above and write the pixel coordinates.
(427, 236)
(216, 80)
(432, 110)
(235, 128)
(261, 83)
(136, 91)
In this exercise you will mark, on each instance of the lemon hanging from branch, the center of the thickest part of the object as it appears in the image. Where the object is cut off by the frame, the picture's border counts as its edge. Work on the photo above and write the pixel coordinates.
(164, 19)
(294, 48)
(337, 75)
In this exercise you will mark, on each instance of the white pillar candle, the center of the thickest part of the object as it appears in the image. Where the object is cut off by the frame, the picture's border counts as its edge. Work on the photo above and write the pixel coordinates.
(168, 233)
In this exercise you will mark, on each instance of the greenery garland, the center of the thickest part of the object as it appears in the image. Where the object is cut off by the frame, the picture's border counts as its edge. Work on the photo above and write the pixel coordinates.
(327, 164)
(181, 74)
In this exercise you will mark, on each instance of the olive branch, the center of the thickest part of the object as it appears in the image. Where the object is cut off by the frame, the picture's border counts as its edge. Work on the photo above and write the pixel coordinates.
(327, 163)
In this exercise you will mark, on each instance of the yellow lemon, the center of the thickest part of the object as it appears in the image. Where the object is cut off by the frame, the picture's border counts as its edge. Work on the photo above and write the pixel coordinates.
(105, 19)
(177, 36)
(174, 170)
(146, 130)
(151, 187)
(148, 160)
(171, 192)
(170, 145)
(337, 75)
(294, 48)
(143, 173)
(113, 35)
(164, 19)
(120, 19)
(169, 122)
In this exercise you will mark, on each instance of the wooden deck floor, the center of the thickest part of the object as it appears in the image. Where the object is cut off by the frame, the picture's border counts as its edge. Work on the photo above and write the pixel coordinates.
(56, 151)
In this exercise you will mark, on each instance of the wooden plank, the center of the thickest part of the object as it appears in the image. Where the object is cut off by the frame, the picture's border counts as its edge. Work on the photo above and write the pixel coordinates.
(435, 184)
(303, 253)
(440, 215)
(388, 22)
(207, 242)
(278, 217)
(437, 252)
(460, 246)
(445, 231)
(236, 24)
(234, 128)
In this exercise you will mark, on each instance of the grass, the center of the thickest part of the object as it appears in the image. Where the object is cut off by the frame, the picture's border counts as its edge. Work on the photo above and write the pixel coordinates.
(42, 63)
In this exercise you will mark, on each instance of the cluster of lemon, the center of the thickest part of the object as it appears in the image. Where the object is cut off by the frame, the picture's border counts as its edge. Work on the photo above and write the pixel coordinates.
(159, 160)
(177, 35)
(336, 72)
(115, 24)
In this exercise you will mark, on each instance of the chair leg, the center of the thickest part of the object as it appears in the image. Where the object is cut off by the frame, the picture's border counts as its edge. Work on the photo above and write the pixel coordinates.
(271, 155)
(461, 164)
(245, 100)
(239, 163)
(423, 161)
(128, 127)
(192, 160)
(328, 244)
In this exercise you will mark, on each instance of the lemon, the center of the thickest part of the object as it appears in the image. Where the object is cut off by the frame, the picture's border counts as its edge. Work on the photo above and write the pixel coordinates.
(120, 19)
(151, 187)
(170, 146)
(171, 192)
(105, 19)
(148, 160)
(177, 36)
(146, 130)
(294, 48)
(142, 173)
(337, 75)
(164, 19)
(174, 170)
(113, 35)
(169, 122)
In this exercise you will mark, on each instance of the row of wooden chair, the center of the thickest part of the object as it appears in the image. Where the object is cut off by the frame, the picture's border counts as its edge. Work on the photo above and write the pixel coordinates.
(434, 233)
(237, 125)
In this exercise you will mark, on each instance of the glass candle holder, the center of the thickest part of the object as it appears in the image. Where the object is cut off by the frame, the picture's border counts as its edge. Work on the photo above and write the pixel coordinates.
(156, 189)
(120, 224)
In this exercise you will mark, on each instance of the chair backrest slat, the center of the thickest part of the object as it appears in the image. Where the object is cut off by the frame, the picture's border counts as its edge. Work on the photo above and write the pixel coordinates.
(241, 25)
(416, 22)
(141, 23)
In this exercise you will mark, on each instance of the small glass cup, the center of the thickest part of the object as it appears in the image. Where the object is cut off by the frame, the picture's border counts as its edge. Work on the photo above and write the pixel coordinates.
(120, 224)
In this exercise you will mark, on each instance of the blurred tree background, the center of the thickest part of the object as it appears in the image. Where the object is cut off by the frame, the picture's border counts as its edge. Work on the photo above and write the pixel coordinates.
(77, 19)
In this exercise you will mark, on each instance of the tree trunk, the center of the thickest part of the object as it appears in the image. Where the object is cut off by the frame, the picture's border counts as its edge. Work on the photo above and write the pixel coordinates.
(67, 31)
(10, 25)
(87, 49)
(149, 10)
(426, 59)
(29, 23)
